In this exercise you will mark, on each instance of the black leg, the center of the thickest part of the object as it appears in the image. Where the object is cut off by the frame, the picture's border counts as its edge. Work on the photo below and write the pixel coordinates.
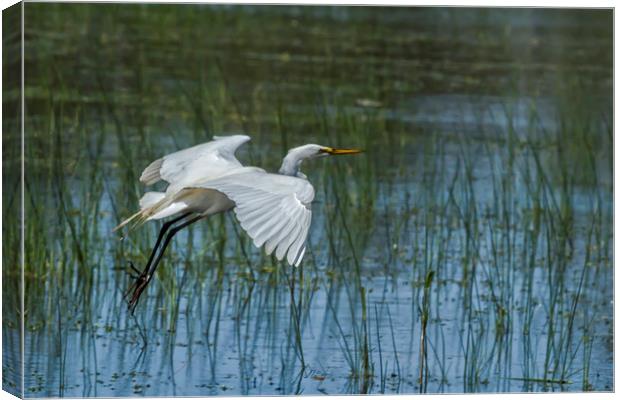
(169, 237)
(142, 275)
(148, 272)
(162, 231)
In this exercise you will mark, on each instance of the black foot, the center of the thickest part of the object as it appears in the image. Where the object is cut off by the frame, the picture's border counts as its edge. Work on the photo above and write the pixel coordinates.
(140, 282)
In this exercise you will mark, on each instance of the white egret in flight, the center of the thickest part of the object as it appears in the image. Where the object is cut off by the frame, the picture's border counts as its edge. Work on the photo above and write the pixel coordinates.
(274, 209)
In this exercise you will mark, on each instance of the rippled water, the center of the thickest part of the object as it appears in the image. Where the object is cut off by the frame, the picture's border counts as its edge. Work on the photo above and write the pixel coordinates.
(487, 176)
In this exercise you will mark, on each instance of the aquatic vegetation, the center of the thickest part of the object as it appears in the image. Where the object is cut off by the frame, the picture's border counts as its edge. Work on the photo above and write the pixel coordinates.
(468, 250)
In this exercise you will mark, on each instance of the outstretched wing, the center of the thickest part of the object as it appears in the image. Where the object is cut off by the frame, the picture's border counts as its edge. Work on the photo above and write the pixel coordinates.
(273, 209)
(203, 161)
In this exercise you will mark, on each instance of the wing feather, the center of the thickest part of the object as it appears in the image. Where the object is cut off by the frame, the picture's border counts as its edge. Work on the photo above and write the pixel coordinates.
(299, 241)
(253, 226)
(206, 160)
(264, 232)
(273, 209)
(300, 256)
(279, 236)
(285, 244)
(251, 213)
(151, 173)
(274, 235)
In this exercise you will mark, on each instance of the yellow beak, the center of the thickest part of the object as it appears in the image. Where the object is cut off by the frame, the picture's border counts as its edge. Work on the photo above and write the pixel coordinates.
(338, 152)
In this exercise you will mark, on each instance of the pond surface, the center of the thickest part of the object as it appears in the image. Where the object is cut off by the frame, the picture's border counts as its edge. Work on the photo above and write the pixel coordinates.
(469, 249)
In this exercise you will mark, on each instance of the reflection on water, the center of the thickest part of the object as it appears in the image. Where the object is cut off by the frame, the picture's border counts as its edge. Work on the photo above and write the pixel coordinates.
(488, 163)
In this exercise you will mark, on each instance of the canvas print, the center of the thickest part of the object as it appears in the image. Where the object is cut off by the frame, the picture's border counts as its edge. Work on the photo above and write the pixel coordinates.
(229, 199)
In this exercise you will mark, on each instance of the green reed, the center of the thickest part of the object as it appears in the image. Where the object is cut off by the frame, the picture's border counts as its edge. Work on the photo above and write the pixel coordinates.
(495, 220)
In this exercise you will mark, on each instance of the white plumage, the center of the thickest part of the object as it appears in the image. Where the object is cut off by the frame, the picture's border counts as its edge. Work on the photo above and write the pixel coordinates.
(274, 209)
(204, 161)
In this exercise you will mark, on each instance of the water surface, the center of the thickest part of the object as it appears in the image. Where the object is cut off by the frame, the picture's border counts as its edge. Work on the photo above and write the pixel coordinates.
(481, 209)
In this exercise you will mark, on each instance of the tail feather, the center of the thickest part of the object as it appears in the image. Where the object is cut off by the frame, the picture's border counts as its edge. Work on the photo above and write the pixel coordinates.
(157, 205)
(148, 205)
(128, 220)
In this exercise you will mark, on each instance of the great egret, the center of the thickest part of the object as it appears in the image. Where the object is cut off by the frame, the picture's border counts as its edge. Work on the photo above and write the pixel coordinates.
(274, 209)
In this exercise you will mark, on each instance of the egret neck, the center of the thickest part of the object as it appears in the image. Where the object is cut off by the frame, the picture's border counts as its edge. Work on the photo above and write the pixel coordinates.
(294, 157)
(292, 161)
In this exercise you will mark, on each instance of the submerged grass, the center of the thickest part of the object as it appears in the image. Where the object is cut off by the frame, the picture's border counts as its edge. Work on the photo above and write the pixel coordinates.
(467, 255)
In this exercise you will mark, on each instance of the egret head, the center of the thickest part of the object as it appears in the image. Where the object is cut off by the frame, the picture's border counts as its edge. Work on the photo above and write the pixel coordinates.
(295, 156)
